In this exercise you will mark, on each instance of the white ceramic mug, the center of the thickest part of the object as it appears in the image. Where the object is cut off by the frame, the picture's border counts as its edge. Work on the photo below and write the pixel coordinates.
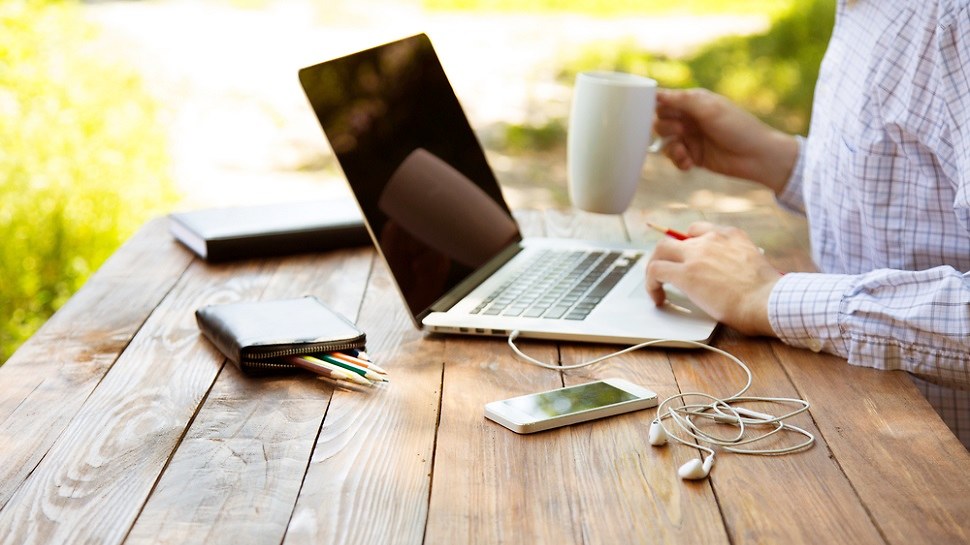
(609, 137)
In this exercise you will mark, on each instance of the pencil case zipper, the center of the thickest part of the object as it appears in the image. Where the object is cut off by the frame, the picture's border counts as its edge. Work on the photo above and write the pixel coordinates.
(262, 360)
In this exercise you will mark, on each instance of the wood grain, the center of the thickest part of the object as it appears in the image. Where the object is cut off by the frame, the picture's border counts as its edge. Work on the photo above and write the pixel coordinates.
(490, 484)
(369, 477)
(119, 422)
(48, 379)
(910, 471)
(237, 473)
(797, 498)
(92, 483)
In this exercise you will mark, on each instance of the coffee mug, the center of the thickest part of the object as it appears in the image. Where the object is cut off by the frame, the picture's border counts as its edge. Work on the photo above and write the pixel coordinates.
(610, 128)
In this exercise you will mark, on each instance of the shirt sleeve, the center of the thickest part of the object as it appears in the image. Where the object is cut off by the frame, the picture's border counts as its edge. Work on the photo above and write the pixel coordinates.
(791, 197)
(917, 321)
(954, 47)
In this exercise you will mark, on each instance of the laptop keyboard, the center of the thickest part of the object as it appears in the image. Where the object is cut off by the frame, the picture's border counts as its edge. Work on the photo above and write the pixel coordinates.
(559, 284)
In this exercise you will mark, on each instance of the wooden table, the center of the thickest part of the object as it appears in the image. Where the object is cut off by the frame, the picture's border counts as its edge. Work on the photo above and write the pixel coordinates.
(121, 424)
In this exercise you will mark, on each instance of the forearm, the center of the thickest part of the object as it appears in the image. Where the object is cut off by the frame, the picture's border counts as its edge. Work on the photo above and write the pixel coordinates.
(773, 167)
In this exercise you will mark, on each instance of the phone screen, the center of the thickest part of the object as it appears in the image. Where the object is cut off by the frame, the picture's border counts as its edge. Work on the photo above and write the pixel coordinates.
(570, 400)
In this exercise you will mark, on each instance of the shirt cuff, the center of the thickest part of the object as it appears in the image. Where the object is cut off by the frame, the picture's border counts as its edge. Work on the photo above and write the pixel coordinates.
(803, 310)
(791, 197)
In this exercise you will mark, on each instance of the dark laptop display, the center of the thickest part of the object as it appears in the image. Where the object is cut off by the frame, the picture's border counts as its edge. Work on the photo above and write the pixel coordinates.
(419, 174)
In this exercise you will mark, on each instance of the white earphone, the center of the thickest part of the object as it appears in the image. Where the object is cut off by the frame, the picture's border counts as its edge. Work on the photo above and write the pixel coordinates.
(720, 410)
(695, 469)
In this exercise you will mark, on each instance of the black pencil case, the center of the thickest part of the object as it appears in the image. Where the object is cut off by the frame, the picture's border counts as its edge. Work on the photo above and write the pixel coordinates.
(255, 335)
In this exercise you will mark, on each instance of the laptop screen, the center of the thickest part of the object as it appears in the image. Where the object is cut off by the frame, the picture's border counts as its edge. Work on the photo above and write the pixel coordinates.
(414, 164)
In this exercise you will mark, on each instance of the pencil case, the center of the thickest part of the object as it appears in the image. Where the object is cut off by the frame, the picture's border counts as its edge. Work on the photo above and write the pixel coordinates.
(255, 335)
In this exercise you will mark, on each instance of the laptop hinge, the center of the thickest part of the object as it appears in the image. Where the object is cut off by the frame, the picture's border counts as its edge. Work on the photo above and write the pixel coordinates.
(465, 287)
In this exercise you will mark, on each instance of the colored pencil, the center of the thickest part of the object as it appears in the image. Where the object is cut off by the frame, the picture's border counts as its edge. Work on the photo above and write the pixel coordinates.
(358, 361)
(667, 231)
(363, 372)
(324, 369)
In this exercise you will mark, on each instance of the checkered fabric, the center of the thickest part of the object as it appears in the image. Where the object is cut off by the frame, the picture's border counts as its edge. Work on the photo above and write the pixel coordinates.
(884, 179)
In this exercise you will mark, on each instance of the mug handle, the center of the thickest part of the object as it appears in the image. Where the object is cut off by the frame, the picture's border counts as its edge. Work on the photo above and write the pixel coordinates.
(658, 144)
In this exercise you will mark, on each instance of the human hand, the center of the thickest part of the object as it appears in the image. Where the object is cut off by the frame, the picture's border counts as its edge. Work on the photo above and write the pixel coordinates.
(721, 271)
(707, 130)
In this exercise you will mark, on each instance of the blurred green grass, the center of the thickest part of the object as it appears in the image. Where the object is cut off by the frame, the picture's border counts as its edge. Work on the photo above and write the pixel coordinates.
(83, 162)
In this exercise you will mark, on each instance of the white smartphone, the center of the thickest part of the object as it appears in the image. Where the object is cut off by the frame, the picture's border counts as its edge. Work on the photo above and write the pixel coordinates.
(570, 405)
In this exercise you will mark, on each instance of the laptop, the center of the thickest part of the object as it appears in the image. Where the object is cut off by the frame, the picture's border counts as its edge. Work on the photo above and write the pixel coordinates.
(436, 214)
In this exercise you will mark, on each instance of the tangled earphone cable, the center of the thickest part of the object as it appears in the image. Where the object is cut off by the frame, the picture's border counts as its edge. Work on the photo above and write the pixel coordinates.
(720, 410)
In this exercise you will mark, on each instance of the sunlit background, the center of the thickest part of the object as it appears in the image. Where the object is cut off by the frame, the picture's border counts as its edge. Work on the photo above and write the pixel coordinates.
(115, 112)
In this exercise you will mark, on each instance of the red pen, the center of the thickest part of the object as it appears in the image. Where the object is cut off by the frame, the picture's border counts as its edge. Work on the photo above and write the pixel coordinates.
(669, 232)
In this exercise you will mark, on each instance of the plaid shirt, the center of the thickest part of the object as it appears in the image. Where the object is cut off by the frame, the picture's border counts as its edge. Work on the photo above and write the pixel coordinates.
(884, 178)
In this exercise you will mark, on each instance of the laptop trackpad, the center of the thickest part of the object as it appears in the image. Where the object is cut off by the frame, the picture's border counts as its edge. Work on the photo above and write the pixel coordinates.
(676, 300)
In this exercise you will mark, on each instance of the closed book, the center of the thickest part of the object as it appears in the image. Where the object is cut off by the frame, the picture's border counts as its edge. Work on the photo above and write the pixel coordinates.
(242, 232)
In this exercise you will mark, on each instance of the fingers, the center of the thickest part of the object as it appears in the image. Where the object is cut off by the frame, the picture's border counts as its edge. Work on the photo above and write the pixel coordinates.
(676, 102)
(658, 274)
(699, 228)
(668, 112)
(679, 155)
(668, 249)
(663, 267)
(676, 114)
(668, 127)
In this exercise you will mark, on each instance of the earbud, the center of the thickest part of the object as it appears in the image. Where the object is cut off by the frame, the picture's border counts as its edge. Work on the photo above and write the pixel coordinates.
(695, 469)
(657, 436)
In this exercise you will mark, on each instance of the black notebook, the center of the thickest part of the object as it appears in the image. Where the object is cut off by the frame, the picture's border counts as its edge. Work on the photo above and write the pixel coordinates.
(222, 234)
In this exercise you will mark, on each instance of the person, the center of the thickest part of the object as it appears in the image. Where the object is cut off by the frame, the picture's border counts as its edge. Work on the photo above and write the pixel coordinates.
(884, 180)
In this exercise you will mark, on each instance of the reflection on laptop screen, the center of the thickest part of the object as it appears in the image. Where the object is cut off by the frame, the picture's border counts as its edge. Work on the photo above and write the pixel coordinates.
(414, 164)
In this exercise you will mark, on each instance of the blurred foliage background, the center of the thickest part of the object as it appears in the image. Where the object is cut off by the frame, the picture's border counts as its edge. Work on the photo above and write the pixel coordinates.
(771, 75)
(82, 161)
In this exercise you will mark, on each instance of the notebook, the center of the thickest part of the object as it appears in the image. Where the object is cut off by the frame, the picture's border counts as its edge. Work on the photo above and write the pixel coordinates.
(243, 232)
(436, 214)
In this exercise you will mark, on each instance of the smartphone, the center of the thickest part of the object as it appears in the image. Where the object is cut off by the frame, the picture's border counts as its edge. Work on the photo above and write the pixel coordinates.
(564, 406)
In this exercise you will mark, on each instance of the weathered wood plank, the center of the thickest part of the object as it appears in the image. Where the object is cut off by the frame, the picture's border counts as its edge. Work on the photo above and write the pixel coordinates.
(237, 473)
(93, 482)
(369, 477)
(47, 380)
(490, 484)
(898, 464)
(796, 498)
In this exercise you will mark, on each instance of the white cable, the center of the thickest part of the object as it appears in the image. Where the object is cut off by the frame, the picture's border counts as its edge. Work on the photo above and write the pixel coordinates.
(718, 409)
